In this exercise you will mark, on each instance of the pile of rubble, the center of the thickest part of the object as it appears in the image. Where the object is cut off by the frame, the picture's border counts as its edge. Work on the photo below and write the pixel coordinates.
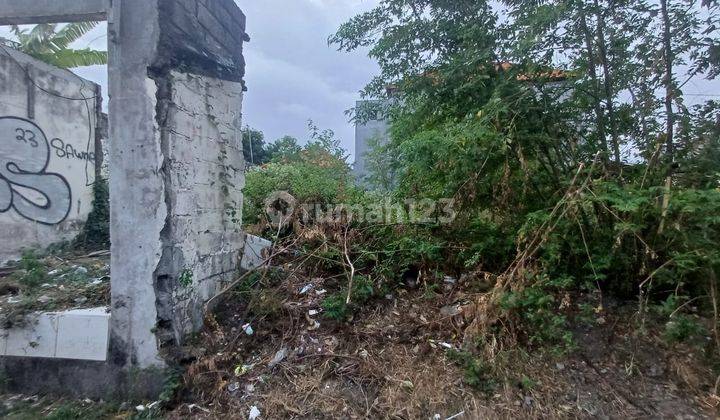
(53, 283)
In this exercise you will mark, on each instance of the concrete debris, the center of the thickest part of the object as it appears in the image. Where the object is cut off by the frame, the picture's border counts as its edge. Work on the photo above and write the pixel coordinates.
(254, 413)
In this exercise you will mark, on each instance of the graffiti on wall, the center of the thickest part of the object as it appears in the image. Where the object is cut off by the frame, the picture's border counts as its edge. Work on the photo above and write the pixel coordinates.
(25, 185)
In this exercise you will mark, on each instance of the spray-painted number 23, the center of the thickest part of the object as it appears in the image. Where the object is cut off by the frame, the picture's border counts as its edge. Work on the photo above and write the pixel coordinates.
(26, 136)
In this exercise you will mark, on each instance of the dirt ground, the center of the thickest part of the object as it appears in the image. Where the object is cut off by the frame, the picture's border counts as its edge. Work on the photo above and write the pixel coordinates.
(268, 348)
(401, 357)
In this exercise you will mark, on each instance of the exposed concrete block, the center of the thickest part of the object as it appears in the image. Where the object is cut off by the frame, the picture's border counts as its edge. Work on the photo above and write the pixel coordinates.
(37, 339)
(74, 335)
(253, 255)
(83, 335)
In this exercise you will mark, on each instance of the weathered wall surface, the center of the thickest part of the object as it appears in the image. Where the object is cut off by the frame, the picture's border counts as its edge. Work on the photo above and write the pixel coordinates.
(47, 153)
(204, 177)
(176, 71)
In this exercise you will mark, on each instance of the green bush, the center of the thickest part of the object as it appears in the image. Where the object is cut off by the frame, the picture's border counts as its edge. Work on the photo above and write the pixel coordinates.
(33, 272)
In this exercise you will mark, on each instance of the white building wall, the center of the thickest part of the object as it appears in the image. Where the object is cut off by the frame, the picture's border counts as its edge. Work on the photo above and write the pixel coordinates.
(47, 153)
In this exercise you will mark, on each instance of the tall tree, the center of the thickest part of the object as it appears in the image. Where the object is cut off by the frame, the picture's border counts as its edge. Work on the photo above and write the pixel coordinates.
(254, 148)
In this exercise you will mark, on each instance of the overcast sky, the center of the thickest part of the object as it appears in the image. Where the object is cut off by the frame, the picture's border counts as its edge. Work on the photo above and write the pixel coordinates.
(292, 74)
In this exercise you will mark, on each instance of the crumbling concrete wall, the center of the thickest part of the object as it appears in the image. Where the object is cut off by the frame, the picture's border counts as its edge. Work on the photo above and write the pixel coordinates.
(204, 177)
(48, 122)
(176, 70)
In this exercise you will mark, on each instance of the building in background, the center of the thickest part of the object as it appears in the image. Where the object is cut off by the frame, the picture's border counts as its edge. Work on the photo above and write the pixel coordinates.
(374, 130)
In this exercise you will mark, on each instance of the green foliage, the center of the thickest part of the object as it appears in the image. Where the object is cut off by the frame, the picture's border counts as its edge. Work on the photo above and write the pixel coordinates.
(96, 231)
(314, 174)
(335, 305)
(477, 373)
(681, 328)
(52, 45)
(537, 307)
(33, 272)
(255, 151)
(551, 165)
(186, 278)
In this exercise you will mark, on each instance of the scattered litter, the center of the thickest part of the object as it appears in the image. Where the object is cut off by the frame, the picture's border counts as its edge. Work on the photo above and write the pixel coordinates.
(254, 413)
(234, 386)
(279, 357)
(248, 329)
(314, 326)
(407, 385)
(450, 280)
(44, 299)
(560, 366)
(241, 370)
(95, 282)
(81, 270)
(140, 408)
(364, 354)
(450, 311)
(53, 273)
(193, 406)
(46, 285)
(434, 344)
(313, 312)
(462, 413)
(306, 288)
(250, 388)
(320, 292)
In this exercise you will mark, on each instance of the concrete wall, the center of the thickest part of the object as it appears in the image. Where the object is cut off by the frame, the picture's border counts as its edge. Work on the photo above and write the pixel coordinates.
(47, 153)
(176, 70)
(204, 163)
